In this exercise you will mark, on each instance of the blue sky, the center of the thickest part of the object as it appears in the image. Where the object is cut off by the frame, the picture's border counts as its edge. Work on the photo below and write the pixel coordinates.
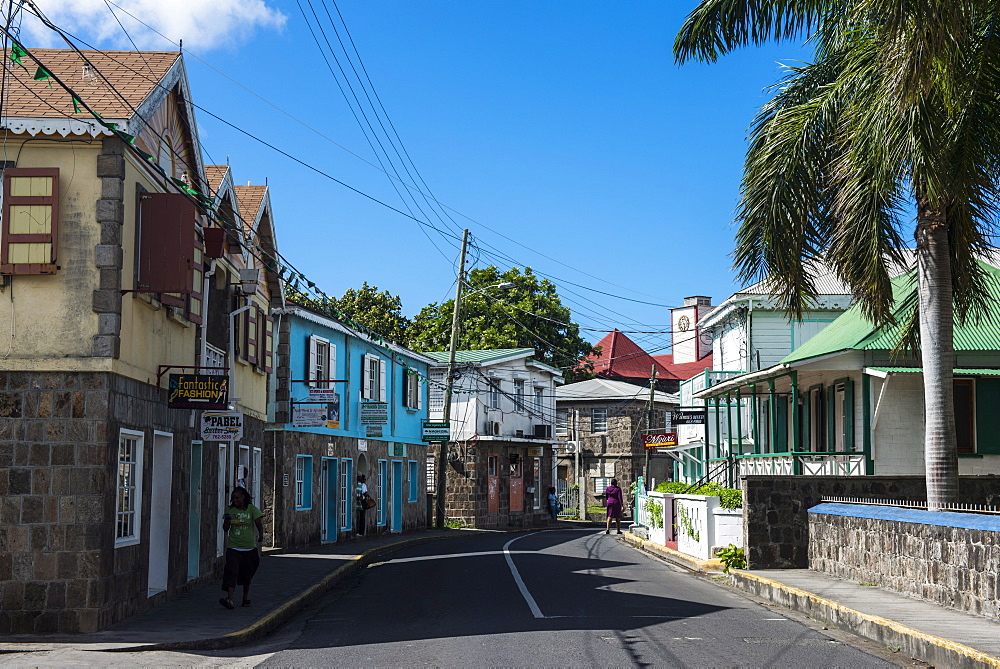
(556, 127)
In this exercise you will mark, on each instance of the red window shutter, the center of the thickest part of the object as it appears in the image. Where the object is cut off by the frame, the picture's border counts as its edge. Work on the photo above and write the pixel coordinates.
(252, 334)
(268, 344)
(240, 349)
(29, 232)
(166, 246)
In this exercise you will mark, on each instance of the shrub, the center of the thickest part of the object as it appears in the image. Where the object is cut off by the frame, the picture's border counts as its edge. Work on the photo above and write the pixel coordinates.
(729, 498)
(732, 558)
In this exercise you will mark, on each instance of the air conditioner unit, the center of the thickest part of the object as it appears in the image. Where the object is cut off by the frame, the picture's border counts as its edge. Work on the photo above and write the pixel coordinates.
(518, 433)
(567, 447)
(543, 431)
(492, 428)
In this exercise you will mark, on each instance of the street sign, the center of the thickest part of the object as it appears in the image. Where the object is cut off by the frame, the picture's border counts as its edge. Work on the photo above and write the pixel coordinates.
(440, 431)
(689, 417)
(658, 440)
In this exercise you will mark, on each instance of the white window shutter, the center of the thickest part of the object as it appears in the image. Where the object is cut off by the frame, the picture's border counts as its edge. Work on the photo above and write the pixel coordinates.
(365, 376)
(331, 364)
(381, 380)
(311, 372)
(419, 390)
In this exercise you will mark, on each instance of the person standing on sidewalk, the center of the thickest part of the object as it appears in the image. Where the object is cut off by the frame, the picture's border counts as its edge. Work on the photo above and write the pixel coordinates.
(553, 503)
(360, 493)
(616, 502)
(240, 521)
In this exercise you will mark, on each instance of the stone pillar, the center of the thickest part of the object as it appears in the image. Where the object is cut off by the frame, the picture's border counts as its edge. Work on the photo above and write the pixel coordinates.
(108, 256)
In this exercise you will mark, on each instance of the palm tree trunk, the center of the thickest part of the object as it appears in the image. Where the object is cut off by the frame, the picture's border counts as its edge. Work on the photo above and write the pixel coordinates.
(938, 353)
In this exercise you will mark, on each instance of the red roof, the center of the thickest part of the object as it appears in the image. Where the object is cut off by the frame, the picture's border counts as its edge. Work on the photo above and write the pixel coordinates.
(622, 357)
(683, 370)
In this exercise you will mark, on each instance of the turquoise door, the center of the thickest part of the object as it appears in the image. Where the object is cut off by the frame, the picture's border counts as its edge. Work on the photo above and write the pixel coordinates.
(396, 523)
(331, 484)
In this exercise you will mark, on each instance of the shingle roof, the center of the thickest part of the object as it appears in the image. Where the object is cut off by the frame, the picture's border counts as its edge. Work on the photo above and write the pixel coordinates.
(485, 356)
(215, 174)
(852, 331)
(609, 389)
(684, 370)
(249, 199)
(132, 74)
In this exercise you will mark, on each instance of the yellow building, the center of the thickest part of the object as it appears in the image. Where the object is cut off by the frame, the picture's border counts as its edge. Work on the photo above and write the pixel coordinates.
(123, 262)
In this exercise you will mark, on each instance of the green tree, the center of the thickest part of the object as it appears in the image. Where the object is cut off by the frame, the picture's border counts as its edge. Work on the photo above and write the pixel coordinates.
(898, 111)
(380, 312)
(528, 315)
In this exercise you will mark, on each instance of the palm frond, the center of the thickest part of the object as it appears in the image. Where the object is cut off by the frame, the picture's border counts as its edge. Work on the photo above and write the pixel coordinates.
(716, 27)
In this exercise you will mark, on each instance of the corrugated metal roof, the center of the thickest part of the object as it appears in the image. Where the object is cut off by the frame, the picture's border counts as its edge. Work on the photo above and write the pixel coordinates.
(852, 331)
(484, 356)
(981, 371)
(608, 389)
(620, 356)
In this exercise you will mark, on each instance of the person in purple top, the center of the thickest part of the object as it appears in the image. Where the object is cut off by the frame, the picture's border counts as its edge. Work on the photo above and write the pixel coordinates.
(615, 502)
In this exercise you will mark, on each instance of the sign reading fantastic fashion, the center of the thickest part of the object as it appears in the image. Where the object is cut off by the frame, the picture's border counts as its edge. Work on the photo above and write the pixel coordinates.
(688, 417)
(658, 440)
(222, 426)
(436, 431)
(374, 413)
(198, 391)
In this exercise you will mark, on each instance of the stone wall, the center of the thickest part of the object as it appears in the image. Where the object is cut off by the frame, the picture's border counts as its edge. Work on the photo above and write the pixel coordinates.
(776, 522)
(293, 527)
(59, 568)
(911, 551)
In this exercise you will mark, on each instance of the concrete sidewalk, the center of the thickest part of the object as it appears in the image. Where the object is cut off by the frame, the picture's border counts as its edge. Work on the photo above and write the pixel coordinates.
(937, 635)
(284, 584)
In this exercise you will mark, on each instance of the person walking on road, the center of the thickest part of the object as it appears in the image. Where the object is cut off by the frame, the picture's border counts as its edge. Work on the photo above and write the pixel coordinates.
(553, 503)
(360, 493)
(240, 521)
(615, 503)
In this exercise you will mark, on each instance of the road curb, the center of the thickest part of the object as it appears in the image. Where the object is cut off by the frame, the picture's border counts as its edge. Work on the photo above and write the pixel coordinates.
(684, 560)
(933, 649)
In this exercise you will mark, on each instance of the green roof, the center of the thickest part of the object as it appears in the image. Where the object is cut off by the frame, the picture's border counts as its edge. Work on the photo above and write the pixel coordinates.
(972, 371)
(852, 331)
(488, 355)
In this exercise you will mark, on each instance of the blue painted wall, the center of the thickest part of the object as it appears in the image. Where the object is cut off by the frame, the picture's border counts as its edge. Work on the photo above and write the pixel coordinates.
(404, 424)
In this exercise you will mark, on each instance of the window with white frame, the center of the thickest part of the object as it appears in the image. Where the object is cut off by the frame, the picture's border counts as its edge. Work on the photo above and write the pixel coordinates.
(494, 393)
(539, 399)
(562, 422)
(215, 357)
(129, 496)
(601, 484)
(518, 395)
(599, 420)
(431, 474)
(322, 362)
(413, 396)
(373, 381)
(435, 389)
(303, 482)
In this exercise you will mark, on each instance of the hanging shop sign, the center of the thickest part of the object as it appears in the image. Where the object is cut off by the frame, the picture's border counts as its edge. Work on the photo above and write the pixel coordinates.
(659, 440)
(222, 426)
(374, 413)
(535, 452)
(324, 413)
(436, 431)
(198, 391)
(693, 416)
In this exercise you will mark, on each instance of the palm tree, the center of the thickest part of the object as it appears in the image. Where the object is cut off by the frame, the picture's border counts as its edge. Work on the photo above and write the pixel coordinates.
(898, 112)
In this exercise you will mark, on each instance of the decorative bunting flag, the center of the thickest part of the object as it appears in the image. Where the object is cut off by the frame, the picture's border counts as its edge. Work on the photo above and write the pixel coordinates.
(17, 53)
(76, 105)
(41, 74)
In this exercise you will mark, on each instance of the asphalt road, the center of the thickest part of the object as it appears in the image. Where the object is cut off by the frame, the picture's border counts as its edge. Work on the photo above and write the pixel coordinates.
(553, 598)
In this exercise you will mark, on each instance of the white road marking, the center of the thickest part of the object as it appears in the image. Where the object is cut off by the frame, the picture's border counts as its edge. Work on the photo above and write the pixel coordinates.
(535, 611)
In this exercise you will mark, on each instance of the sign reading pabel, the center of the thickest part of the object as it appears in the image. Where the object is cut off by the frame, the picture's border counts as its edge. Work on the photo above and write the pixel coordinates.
(198, 391)
(222, 426)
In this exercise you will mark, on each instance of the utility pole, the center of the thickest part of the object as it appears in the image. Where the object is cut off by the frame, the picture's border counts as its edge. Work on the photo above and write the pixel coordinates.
(649, 422)
(456, 320)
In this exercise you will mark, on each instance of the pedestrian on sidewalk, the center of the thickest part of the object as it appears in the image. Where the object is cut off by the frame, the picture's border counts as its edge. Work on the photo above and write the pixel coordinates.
(242, 554)
(615, 502)
(553, 503)
(360, 494)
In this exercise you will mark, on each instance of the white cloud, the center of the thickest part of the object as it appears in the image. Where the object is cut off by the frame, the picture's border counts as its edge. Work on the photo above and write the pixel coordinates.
(202, 24)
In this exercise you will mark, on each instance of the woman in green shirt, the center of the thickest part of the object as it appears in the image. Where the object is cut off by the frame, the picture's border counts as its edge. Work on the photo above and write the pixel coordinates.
(240, 521)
